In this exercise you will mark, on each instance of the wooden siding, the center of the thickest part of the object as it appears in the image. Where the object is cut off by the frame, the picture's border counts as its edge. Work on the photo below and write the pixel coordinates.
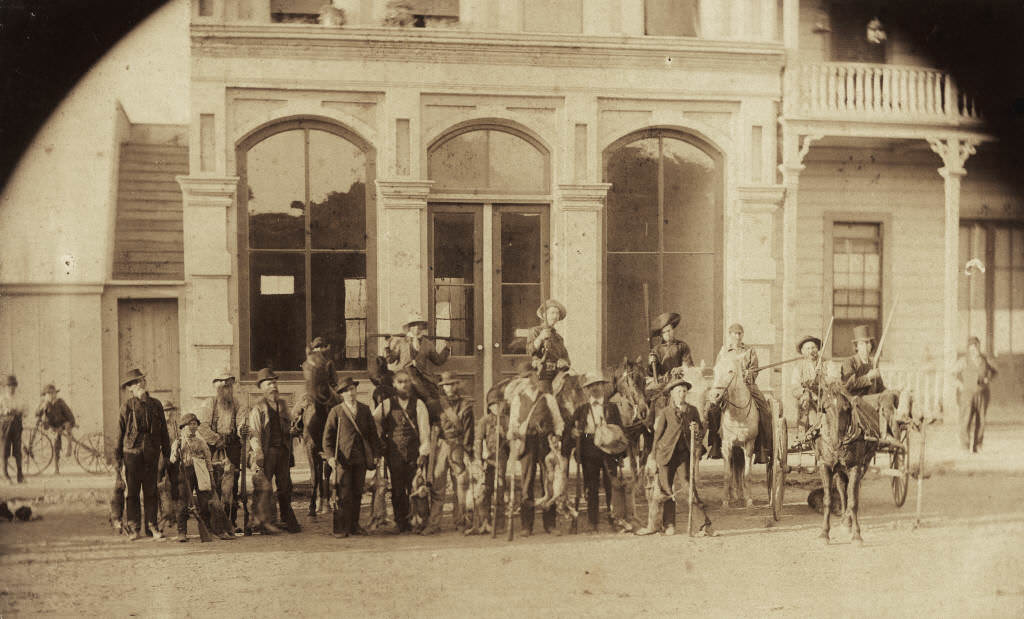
(147, 338)
(149, 243)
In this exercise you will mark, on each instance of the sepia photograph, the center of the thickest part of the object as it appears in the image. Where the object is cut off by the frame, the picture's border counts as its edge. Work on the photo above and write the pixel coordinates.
(512, 308)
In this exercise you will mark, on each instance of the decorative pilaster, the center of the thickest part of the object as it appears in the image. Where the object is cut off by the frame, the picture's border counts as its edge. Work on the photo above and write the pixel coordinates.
(579, 282)
(209, 336)
(954, 152)
(401, 250)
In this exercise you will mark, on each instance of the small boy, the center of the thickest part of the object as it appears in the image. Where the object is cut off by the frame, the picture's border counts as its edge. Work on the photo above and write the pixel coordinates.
(192, 455)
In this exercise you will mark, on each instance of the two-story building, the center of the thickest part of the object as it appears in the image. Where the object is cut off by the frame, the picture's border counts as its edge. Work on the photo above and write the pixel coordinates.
(774, 163)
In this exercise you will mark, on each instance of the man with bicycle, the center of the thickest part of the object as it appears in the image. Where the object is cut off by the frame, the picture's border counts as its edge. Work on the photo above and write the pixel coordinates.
(55, 415)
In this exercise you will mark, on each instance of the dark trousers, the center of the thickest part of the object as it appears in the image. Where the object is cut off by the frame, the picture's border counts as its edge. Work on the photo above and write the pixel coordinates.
(350, 494)
(275, 469)
(666, 480)
(764, 423)
(402, 472)
(973, 410)
(140, 474)
(10, 441)
(61, 431)
(319, 474)
(535, 447)
(187, 481)
(596, 465)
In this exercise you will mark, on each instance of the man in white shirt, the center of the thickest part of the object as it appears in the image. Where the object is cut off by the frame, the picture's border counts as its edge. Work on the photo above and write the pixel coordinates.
(404, 424)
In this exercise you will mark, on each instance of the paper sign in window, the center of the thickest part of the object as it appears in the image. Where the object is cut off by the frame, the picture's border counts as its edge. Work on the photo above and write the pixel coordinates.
(277, 284)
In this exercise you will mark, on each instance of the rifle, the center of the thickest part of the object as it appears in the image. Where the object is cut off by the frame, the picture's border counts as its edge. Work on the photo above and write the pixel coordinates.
(646, 327)
(496, 492)
(885, 331)
(777, 363)
(431, 464)
(204, 531)
(450, 338)
(511, 493)
(693, 474)
(579, 480)
(243, 492)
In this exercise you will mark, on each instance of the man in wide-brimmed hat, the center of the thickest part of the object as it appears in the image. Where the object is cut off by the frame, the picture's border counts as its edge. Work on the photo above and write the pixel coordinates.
(669, 353)
(735, 349)
(269, 433)
(805, 379)
(672, 427)
(55, 415)
(546, 346)
(454, 446)
(352, 446)
(142, 440)
(190, 453)
(12, 410)
(415, 352)
(863, 380)
(491, 448)
(972, 374)
(588, 419)
(219, 419)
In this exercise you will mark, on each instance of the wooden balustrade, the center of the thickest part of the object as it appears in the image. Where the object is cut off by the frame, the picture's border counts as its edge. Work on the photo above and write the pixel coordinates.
(849, 89)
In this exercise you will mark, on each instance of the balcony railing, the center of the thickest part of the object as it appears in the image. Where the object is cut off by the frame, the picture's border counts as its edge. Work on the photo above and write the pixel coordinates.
(860, 91)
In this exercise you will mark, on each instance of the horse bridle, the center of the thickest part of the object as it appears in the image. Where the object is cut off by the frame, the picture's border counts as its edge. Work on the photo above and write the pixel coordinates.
(725, 399)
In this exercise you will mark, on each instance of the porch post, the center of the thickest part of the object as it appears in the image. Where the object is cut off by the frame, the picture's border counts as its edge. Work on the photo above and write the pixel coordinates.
(209, 335)
(580, 285)
(401, 250)
(954, 153)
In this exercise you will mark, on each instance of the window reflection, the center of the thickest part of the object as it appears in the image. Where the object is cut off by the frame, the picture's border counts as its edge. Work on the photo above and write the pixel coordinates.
(488, 160)
(277, 192)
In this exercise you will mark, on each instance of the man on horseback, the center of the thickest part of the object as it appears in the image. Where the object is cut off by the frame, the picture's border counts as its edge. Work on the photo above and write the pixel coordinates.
(546, 346)
(862, 380)
(746, 357)
(805, 381)
(411, 352)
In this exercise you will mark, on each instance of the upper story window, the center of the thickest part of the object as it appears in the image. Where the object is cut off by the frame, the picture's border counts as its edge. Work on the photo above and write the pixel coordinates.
(857, 33)
(671, 18)
(489, 159)
(304, 241)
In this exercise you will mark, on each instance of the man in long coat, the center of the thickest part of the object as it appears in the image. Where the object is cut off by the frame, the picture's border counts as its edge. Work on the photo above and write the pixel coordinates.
(270, 440)
(219, 420)
(351, 444)
(142, 439)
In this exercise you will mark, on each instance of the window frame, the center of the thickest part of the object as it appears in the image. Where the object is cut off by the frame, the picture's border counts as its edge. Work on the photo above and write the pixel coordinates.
(247, 373)
(486, 191)
(988, 228)
(884, 223)
(719, 231)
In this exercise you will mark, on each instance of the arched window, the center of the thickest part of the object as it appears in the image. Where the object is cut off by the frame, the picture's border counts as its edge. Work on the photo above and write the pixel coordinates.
(488, 159)
(663, 241)
(305, 245)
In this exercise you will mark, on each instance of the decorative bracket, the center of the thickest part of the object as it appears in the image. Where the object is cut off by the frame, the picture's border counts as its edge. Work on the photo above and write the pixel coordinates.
(954, 153)
(805, 146)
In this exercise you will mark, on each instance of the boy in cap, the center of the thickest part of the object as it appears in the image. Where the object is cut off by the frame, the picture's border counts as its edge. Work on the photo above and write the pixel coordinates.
(55, 415)
(11, 413)
(351, 445)
(546, 346)
(142, 440)
(192, 455)
(455, 444)
(492, 450)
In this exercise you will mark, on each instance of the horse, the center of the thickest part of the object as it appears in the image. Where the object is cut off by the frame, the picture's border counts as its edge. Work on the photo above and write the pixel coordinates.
(738, 427)
(843, 456)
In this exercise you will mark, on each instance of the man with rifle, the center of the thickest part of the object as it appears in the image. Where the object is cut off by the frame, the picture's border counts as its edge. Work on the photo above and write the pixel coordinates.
(669, 353)
(191, 454)
(452, 450)
(735, 348)
(351, 444)
(492, 450)
(546, 346)
(270, 437)
(863, 380)
(414, 352)
(405, 432)
(218, 418)
(805, 381)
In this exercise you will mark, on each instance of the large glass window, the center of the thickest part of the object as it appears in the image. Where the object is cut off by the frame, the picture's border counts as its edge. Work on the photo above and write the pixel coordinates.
(304, 246)
(488, 160)
(856, 281)
(663, 231)
(992, 302)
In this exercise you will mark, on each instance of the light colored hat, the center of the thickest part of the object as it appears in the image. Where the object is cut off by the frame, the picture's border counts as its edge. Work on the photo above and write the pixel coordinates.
(414, 320)
(592, 379)
(224, 375)
(551, 303)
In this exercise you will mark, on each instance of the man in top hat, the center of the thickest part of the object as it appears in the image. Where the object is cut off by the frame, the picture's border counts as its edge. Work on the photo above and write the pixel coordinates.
(220, 418)
(452, 450)
(142, 440)
(492, 450)
(735, 349)
(669, 353)
(546, 346)
(863, 380)
(57, 416)
(414, 352)
(805, 383)
(672, 427)
(269, 434)
(973, 373)
(587, 420)
(534, 416)
(352, 446)
(405, 432)
(11, 412)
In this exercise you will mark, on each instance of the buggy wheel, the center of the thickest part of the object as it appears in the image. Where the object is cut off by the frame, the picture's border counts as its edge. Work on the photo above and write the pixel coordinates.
(779, 465)
(900, 461)
(93, 454)
(38, 452)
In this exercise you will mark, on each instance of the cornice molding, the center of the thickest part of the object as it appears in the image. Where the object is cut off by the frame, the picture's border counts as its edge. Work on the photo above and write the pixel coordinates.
(208, 191)
(769, 196)
(399, 193)
(583, 197)
(451, 46)
(10, 289)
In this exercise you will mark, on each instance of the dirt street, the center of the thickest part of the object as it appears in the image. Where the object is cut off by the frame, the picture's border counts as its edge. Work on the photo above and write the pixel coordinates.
(966, 559)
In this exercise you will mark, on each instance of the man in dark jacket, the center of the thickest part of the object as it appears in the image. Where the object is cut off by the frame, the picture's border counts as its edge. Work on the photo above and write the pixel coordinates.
(672, 427)
(57, 416)
(270, 440)
(405, 430)
(219, 418)
(142, 439)
(669, 353)
(451, 454)
(351, 445)
(546, 346)
(598, 411)
(863, 380)
(972, 374)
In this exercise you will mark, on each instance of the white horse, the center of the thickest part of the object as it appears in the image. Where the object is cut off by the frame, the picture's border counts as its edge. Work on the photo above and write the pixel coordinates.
(738, 427)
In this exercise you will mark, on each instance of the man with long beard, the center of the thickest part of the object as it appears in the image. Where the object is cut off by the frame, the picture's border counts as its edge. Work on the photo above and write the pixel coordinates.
(218, 419)
(269, 435)
(405, 425)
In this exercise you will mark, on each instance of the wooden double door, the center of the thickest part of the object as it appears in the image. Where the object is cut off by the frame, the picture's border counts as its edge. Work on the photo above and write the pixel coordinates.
(488, 274)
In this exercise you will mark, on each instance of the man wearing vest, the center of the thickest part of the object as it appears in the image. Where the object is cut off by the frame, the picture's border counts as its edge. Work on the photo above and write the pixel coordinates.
(351, 444)
(973, 374)
(452, 451)
(546, 346)
(405, 430)
(218, 419)
(142, 439)
(270, 440)
(598, 411)
(864, 381)
(534, 416)
(414, 352)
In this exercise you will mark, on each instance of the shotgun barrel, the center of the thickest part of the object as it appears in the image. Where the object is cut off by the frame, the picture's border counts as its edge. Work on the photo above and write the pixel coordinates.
(449, 338)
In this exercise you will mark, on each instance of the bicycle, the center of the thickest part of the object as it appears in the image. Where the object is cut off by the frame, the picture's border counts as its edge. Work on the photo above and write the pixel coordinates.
(93, 452)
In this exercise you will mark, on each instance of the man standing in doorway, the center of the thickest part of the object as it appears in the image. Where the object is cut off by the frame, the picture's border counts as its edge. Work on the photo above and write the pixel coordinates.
(219, 421)
(973, 373)
(11, 413)
(142, 440)
(546, 346)
(270, 442)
